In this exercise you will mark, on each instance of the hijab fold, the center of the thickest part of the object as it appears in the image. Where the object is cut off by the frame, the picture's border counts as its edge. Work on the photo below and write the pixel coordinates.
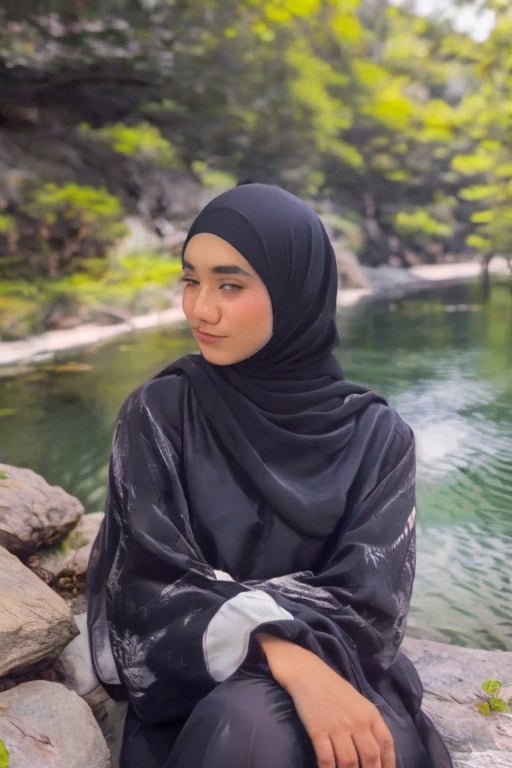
(285, 415)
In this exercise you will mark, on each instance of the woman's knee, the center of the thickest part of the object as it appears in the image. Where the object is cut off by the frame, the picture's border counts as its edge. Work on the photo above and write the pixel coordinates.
(246, 721)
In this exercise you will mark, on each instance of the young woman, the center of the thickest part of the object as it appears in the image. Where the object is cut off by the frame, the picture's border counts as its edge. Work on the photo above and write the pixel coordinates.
(249, 588)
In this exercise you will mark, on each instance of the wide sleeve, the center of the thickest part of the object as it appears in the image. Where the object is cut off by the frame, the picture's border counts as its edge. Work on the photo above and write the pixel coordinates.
(352, 609)
(172, 627)
(154, 603)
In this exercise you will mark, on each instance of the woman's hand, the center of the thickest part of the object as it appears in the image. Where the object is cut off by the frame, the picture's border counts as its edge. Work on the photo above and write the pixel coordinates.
(346, 730)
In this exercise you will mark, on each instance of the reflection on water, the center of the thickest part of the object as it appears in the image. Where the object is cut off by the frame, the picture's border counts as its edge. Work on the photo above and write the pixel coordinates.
(448, 373)
(443, 361)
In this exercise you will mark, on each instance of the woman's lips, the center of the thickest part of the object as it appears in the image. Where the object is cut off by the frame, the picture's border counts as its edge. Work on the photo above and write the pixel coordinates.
(207, 338)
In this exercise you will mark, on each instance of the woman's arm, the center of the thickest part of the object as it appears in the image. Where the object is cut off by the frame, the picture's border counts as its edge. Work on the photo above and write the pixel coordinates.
(350, 614)
(345, 728)
(352, 610)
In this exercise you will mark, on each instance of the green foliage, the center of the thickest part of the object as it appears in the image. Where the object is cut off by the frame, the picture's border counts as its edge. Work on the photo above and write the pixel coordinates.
(439, 120)
(131, 284)
(420, 226)
(142, 141)
(492, 702)
(365, 103)
(64, 225)
(4, 755)
(143, 268)
(7, 224)
(3, 476)
(470, 165)
(75, 202)
(19, 313)
(212, 178)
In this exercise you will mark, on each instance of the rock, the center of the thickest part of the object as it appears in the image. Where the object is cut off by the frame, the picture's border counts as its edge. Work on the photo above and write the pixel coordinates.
(452, 677)
(35, 623)
(71, 556)
(33, 514)
(45, 725)
(350, 272)
(74, 669)
(64, 566)
(143, 236)
(74, 665)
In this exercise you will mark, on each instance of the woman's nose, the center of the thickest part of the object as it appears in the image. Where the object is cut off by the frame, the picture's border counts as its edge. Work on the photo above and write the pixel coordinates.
(206, 308)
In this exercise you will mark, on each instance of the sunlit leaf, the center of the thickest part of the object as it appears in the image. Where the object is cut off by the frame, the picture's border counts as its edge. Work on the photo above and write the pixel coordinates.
(479, 243)
(491, 687)
(482, 217)
(419, 224)
(498, 705)
(390, 106)
(399, 175)
(476, 192)
(471, 164)
(439, 120)
(347, 27)
(368, 72)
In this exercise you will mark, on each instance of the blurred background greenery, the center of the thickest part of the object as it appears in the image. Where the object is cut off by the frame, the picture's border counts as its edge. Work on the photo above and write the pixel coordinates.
(119, 117)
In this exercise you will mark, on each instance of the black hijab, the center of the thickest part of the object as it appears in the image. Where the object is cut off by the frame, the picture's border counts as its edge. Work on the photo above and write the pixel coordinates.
(286, 414)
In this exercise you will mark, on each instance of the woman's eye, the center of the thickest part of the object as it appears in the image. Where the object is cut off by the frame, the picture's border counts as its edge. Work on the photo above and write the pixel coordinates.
(186, 280)
(230, 287)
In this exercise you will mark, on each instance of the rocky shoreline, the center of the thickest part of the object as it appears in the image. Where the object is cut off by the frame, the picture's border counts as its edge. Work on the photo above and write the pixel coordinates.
(53, 711)
(381, 280)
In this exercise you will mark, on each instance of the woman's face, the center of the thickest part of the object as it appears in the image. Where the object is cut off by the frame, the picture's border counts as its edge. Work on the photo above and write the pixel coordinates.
(225, 301)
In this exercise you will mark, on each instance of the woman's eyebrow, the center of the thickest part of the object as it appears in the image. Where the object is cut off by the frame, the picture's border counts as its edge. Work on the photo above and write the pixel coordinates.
(221, 269)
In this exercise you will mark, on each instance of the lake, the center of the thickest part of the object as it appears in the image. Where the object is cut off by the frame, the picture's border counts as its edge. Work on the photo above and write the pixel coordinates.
(442, 358)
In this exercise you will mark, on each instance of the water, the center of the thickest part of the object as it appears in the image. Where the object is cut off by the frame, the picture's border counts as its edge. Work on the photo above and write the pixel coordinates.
(443, 360)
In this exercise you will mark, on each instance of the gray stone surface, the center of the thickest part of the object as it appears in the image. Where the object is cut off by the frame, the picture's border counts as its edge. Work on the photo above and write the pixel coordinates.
(45, 725)
(71, 556)
(452, 678)
(33, 514)
(74, 665)
(75, 670)
(35, 622)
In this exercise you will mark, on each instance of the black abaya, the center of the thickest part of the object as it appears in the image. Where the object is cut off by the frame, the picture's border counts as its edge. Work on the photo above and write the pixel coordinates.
(273, 496)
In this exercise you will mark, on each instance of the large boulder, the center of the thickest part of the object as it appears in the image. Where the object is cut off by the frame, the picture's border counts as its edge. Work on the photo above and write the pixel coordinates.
(35, 622)
(45, 725)
(33, 514)
(452, 678)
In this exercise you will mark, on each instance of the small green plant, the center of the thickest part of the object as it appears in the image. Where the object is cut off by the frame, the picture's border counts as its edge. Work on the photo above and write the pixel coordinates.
(492, 702)
(4, 755)
(143, 141)
(3, 476)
